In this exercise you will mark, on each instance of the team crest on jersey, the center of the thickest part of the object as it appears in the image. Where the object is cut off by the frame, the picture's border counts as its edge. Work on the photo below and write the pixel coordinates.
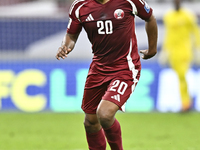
(119, 14)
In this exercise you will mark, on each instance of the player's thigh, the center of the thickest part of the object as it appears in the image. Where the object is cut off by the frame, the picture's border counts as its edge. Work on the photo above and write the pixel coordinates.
(181, 67)
(107, 109)
(119, 90)
(92, 98)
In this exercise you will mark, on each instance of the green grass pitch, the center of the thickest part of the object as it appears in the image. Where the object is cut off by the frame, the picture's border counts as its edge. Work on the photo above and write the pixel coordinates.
(65, 131)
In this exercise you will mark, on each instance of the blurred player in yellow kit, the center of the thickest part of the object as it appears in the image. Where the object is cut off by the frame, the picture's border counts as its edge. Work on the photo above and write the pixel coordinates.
(182, 37)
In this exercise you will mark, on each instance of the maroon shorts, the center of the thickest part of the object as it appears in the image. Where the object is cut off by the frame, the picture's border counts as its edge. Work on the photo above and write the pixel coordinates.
(116, 89)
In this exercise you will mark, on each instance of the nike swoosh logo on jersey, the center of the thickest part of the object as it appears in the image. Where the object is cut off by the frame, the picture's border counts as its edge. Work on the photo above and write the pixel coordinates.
(89, 18)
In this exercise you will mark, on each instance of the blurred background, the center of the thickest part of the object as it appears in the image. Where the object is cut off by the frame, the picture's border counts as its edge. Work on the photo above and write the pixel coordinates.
(32, 80)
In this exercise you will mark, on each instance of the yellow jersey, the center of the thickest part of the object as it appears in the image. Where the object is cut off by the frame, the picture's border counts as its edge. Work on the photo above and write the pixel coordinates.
(181, 34)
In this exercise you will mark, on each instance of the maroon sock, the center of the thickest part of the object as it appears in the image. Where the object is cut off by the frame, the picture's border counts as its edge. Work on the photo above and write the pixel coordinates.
(96, 141)
(113, 135)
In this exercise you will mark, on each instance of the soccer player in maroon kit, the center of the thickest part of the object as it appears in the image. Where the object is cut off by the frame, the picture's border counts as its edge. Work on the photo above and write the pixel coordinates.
(115, 69)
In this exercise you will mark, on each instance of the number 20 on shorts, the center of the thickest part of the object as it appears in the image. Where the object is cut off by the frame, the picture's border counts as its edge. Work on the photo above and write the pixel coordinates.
(119, 86)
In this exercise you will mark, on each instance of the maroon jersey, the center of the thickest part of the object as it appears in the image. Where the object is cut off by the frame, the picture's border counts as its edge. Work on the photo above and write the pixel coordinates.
(111, 30)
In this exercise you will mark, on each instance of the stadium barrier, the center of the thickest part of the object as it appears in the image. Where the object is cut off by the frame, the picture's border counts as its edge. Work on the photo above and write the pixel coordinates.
(58, 87)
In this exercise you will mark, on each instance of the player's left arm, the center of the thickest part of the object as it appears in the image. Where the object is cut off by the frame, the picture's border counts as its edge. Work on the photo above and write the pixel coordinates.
(152, 34)
(145, 12)
(196, 33)
(196, 37)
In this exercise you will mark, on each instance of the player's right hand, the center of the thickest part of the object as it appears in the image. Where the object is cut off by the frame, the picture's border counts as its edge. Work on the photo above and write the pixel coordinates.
(63, 51)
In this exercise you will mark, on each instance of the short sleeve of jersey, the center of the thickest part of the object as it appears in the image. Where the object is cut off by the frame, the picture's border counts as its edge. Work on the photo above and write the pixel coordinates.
(142, 9)
(74, 25)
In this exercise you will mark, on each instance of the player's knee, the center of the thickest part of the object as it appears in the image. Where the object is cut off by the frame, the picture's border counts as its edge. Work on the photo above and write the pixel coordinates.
(91, 126)
(87, 124)
(105, 118)
(106, 113)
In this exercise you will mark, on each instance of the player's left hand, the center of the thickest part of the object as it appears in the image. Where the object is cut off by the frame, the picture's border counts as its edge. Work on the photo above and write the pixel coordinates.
(146, 54)
(197, 57)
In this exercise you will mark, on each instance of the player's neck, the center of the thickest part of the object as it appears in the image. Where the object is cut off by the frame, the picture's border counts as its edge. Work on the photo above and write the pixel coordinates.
(102, 1)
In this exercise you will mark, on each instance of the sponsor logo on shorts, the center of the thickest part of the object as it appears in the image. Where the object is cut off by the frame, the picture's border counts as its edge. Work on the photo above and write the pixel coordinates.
(116, 97)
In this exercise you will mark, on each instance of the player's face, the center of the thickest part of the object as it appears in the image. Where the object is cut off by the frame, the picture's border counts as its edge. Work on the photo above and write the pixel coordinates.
(177, 4)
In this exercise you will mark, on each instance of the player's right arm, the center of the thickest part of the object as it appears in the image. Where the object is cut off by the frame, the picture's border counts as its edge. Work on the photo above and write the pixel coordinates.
(67, 46)
(73, 30)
